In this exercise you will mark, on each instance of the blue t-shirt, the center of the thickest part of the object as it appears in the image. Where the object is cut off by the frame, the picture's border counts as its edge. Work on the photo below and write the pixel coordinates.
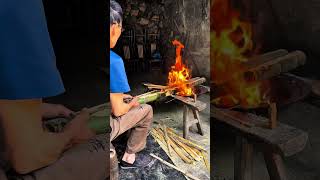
(118, 77)
(27, 61)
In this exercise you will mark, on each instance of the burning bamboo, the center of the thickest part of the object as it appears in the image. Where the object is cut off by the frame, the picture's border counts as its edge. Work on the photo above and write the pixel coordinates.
(191, 82)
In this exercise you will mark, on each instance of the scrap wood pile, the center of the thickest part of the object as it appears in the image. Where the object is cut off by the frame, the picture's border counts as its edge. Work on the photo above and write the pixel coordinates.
(187, 150)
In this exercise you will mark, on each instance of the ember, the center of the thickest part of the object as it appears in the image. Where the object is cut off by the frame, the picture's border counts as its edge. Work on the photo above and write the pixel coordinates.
(179, 74)
(232, 45)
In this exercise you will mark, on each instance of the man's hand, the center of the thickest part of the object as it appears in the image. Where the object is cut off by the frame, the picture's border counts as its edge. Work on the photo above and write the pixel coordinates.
(134, 102)
(78, 128)
(55, 110)
(118, 106)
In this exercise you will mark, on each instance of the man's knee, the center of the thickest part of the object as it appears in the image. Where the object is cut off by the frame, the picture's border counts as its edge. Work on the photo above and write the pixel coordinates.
(149, 111)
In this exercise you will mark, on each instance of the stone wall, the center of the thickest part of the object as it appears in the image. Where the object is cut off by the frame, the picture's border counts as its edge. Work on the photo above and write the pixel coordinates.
(143, 14)
(189, 22)
(185, 20)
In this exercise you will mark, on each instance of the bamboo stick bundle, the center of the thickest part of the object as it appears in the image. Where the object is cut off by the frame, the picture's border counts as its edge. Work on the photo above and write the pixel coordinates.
(189, 150)
(179, 152)
(186, 149)
(183, 154)
(185, 141)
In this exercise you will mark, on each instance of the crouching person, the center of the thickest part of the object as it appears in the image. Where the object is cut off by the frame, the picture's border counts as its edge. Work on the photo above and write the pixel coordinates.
(126, 116)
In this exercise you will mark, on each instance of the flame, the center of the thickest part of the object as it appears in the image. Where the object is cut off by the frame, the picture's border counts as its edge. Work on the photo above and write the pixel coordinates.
(179, 74)
(231, 46)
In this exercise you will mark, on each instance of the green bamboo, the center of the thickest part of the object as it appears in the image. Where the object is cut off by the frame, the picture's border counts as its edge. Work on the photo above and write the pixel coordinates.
(149, 98)
(99, 124)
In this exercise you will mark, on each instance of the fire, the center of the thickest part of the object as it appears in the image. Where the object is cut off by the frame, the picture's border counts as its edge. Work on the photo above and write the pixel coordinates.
(179, 74)
(231, 46)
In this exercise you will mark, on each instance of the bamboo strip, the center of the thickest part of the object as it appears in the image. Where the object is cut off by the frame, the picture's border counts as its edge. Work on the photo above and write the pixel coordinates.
(185, 141)
(205, 160)
(166, 138)
(173, 145)
(187, 149)
(180, 151)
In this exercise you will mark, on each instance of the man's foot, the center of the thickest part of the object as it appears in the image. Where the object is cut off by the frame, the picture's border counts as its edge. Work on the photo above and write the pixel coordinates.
(141, 160)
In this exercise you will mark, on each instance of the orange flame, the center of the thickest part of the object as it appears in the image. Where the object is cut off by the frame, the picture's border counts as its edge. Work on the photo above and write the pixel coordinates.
(231, 46)
(179, 74)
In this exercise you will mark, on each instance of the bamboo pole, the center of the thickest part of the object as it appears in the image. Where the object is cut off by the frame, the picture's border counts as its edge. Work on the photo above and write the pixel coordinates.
(174, 167)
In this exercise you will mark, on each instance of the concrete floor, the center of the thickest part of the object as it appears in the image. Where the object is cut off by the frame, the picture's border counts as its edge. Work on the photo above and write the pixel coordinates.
(304, 165)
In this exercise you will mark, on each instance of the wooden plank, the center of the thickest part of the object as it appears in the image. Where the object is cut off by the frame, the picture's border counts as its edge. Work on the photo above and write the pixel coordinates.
(196, 81)
(256, 60)
(274, 67)
(275, 166)
(273, 113)
(315, 84)
(269, 66)
(243, 159)
(284, 139)
(185, 122)
(198, 105)
(199, 123)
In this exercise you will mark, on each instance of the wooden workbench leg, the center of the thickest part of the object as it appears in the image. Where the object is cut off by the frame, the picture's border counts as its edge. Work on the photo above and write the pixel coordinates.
(199, 126)
(275, 166)
(185, 122)
(243, 159)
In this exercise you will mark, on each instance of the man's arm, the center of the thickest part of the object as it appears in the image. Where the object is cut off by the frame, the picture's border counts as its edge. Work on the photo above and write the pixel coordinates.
(28, 145)
(119, 107)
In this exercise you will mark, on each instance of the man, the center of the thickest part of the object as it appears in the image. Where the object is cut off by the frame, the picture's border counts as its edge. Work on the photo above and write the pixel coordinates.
(27, 74)
(131, 115)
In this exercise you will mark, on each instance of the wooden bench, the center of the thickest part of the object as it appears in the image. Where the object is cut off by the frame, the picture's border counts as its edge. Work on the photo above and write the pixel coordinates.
(253, 132)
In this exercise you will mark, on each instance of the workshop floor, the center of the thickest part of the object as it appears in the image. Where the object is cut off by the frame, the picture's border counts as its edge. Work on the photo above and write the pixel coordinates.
(304, 165)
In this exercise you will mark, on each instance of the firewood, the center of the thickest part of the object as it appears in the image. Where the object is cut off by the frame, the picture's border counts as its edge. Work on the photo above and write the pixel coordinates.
(196, 81)
(272, 115)
(191, 82)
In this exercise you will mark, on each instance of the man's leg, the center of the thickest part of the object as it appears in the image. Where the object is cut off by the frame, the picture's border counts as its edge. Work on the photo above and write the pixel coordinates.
(81, 162)
(139, 120)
